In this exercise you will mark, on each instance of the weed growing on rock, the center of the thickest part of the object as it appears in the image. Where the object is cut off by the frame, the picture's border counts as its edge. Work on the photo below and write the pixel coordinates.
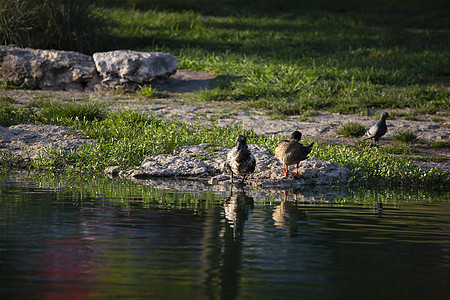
(11, 114)
(441, 144)
(150, 92)
(405, 136)
(351, 129)
(58, 113)
(12, 85)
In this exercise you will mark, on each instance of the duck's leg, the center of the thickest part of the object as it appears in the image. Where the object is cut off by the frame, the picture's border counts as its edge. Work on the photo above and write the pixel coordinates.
(287, 171)
(231, 176)
(243, 178)
(296, 173)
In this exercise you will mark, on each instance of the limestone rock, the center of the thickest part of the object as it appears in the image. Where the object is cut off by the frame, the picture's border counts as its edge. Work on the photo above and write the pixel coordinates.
(200, 161)
(48, 69)
(170, 165)
(126, 69)
(321, 172)
(24, 141)
(112, 171)
(216, 160)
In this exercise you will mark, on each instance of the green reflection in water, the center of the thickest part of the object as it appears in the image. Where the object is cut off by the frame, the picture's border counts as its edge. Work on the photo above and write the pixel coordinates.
(125, 239)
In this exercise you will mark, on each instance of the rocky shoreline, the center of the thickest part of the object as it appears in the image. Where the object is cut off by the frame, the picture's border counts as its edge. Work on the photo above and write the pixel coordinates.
(196, 162)
(24, 141)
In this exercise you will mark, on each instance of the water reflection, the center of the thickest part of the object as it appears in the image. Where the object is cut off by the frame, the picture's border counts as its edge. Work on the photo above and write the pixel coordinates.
(287, 216)
(118, 241)
(222, 245)
(238, 209)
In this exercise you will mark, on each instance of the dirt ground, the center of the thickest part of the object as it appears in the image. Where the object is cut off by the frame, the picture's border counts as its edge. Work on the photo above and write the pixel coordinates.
(181, 103)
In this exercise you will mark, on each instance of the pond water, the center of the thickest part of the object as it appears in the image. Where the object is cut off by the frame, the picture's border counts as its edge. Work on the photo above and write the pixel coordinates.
(112, 239)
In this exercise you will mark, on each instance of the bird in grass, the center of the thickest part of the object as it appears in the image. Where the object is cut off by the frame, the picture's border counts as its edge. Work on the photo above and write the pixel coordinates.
(378, 130)
(292, 152)
(240, 160)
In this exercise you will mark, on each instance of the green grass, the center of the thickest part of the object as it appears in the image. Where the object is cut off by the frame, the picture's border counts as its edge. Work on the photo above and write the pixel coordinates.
(53, 24)
(126, 137)
(351, 129)
(12, 85)
(374, 166)
(441, 144)
(10, 114)
(150, 92)
(405, 136)
(399, 149)
(308, 116)
(336, 61)
(282, 57)
(60, 113)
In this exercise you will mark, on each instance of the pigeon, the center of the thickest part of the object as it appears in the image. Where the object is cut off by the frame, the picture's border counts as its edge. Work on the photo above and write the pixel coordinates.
(240, 160)
(377, 130)
(292, 152)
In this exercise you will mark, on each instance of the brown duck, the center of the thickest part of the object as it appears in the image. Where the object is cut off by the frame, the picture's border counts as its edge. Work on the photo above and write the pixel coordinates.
(292, 152)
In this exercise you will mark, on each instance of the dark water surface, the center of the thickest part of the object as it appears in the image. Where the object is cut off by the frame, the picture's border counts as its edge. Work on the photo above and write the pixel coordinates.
(117, 240)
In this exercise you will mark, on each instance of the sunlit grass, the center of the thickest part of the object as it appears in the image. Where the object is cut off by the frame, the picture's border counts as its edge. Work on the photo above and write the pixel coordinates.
(333, 62)
(348, 60)
(11, 85)
(441, 144)
(405, 136)
(151, 92)
(60, 113)
(10, 114)
(127, 137)
(351, 129)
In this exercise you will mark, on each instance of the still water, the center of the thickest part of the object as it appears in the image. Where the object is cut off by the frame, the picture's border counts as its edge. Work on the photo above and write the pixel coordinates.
(111, 239)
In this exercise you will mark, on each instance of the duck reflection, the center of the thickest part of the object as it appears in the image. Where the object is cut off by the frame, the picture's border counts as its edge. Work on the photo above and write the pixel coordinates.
(223, 235)
(287, 214)
(378, 208)
(238, 209)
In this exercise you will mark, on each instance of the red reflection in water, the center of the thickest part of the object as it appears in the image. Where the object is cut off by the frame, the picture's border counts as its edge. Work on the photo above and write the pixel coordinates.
(68, 269)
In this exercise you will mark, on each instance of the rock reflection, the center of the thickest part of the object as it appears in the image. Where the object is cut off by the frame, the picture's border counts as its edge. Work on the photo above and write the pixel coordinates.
(238, 209)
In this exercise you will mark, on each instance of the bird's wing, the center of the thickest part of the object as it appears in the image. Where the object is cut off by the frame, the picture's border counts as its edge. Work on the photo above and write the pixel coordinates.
(372, 131)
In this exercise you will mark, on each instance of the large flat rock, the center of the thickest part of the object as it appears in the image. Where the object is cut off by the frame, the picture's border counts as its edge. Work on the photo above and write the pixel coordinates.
(197, 162)
(48, 69)
(126, 69)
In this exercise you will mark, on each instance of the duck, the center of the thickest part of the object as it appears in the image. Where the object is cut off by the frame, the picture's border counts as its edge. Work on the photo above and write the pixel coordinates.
(240, 160)
(378, 130)
(292, 152)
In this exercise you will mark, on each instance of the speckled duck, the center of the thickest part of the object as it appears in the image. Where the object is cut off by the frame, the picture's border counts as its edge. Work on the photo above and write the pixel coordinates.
(240, 160)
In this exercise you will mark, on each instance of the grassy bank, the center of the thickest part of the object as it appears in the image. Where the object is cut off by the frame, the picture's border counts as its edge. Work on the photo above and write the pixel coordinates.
(287, 59)
(126, 137)
(346, 62)
(350, 57)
